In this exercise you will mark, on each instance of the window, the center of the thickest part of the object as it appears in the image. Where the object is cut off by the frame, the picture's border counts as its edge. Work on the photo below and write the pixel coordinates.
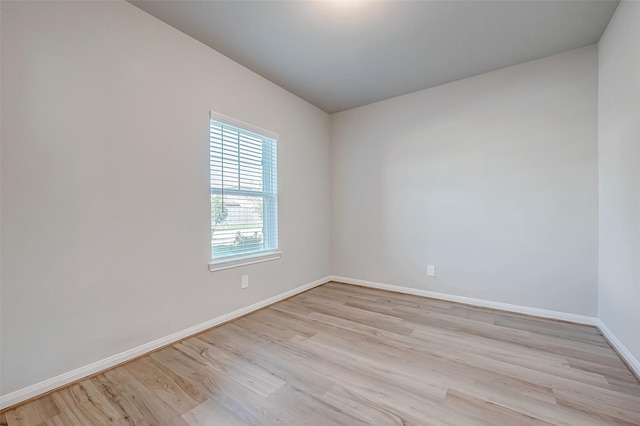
(244, 196)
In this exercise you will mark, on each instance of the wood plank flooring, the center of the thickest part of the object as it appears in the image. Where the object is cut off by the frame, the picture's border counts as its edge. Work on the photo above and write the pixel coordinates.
(345, 355)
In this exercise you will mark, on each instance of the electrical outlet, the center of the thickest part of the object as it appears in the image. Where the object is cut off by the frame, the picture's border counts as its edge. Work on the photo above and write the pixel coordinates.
(245, 281)
(431, 270)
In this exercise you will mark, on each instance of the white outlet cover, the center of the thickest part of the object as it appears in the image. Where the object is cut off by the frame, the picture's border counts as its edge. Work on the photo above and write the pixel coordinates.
(431, 270)
(245, 281)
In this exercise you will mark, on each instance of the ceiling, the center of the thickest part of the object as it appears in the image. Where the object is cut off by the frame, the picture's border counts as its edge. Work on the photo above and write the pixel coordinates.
(340, 54)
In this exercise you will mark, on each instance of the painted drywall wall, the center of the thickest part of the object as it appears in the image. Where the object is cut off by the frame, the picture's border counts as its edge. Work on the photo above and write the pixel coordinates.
(105, 212)
(492, 179)
(619, 175)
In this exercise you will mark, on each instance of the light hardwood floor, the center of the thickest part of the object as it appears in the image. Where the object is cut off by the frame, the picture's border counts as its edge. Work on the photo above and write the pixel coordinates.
(340, 354)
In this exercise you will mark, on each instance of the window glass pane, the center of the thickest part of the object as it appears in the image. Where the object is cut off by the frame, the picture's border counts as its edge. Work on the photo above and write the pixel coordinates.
(244, 210)
(237, 224)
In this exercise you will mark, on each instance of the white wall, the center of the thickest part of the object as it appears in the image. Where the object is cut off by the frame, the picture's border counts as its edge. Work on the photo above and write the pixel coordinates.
(619, 175)
(493, 179)
(105, 213)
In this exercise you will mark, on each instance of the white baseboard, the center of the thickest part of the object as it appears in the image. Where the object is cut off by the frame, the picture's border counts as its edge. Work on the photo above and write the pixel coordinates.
(37, 389)
(624, 353)
(622, 350)
(544, 313)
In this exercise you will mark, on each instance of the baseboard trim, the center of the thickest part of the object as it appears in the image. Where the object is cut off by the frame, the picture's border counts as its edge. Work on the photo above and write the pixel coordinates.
(526, 310)
(625, 354)
(39, 389)
(632, 362)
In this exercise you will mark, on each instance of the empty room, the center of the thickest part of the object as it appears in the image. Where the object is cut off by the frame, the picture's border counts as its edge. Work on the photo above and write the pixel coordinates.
(332, 212)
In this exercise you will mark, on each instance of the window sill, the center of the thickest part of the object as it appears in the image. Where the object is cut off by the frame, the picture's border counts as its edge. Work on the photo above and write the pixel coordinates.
(244, 260)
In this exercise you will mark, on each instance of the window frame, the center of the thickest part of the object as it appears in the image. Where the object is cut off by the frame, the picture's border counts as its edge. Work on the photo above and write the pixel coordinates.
(265, 255)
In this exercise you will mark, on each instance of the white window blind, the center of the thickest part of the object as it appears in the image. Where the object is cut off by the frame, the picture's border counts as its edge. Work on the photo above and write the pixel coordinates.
(244, 198)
